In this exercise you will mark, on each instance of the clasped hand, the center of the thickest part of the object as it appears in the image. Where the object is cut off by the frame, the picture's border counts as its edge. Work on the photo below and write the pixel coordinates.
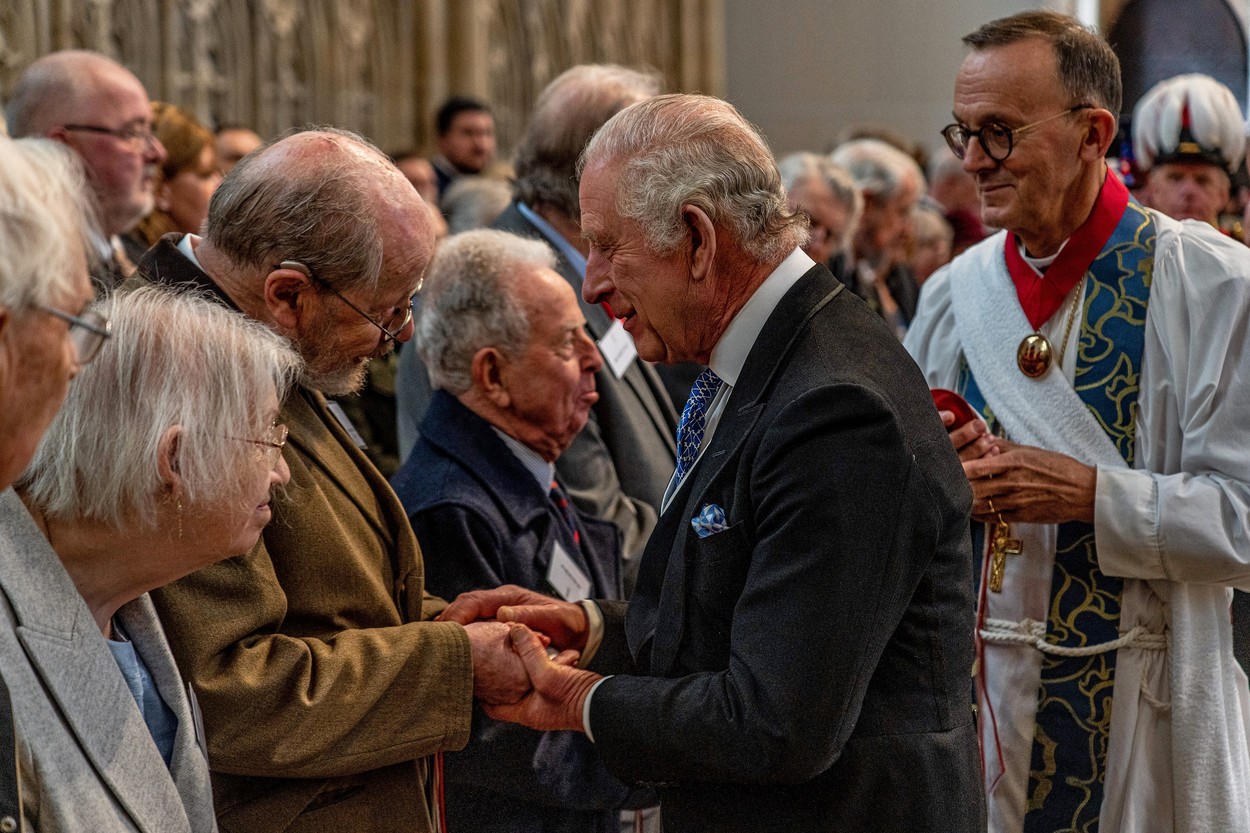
(510, 629)
(1021, 483)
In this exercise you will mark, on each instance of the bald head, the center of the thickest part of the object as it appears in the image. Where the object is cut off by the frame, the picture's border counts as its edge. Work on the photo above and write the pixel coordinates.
(100, 110)
(327, 198)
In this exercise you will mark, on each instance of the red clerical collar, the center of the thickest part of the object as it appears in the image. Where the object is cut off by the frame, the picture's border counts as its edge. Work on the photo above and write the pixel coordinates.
(1040, 299)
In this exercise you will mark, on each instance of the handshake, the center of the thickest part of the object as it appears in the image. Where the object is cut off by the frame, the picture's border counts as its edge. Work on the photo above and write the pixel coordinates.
(514, 676)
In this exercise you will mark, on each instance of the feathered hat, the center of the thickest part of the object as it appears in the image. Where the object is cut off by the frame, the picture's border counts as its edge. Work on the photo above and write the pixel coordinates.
(1189, 118)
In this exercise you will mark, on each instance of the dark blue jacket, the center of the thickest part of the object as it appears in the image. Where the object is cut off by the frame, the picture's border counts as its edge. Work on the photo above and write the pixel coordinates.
(486, 522)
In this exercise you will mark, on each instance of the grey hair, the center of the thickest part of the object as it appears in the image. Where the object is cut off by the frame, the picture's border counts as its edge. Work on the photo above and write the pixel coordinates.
(314, 205)
(798, 168)
(1089, 70)
(474, 201)
(175, 359)
(466, 303)
(878, 169)
(679, 149)
(47, 222)
(567, 113)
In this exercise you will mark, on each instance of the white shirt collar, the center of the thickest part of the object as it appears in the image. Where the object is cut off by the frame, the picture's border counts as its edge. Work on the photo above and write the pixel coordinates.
(539, 469)
(730, 353)
(184, 246)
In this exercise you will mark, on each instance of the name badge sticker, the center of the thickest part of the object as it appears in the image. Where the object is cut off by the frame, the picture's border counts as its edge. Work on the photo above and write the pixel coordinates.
(618, 349)
(566, 578)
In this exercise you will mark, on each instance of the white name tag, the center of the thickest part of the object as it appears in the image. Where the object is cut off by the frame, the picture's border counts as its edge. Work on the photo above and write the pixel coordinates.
(618, 349)
(346, 424)
(566, 578)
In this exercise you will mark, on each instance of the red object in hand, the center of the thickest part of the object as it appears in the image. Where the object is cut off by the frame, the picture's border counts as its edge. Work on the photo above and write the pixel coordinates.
(948, 400)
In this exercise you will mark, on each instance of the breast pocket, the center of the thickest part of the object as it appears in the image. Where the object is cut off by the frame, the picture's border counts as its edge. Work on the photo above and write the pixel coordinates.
(717, 574)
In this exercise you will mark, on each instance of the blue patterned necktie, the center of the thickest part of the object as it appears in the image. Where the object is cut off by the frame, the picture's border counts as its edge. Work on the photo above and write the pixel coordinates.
(694, 420)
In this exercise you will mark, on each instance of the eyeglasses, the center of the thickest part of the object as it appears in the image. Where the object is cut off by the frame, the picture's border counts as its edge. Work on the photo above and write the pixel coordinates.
(272, 446)
(86, 332)
(997, 140)
(139, 138)
(393, 335)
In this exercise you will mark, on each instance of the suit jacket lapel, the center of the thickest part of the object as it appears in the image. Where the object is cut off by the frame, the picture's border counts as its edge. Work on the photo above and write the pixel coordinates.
(68, 653)
(657, 626)
(189, 765)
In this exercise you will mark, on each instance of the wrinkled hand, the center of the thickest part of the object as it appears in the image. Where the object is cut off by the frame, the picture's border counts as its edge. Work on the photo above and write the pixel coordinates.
(972, 440)
(559, 691)
(563, 623)
(498, 675)
(477, 605)
(1031, 485)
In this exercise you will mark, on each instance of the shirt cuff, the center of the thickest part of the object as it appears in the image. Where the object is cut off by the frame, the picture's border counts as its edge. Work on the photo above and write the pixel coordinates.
(586, 708)
(594, 632)
(1126, 524)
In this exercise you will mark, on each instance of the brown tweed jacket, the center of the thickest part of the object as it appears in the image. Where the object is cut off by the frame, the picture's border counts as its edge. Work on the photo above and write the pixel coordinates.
(324, 687)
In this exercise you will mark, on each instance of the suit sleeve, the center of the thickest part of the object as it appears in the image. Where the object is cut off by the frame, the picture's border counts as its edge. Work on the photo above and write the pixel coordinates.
(299, 658)
(839, 530)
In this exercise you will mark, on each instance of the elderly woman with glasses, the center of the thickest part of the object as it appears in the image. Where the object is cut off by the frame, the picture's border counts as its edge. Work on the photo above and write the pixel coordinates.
(160, 462)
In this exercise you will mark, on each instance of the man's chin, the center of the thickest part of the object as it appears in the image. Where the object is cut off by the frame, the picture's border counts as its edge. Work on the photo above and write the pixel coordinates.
(339, 382)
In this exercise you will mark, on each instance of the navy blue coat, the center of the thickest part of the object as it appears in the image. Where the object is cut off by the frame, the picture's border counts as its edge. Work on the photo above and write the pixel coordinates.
(472, 502)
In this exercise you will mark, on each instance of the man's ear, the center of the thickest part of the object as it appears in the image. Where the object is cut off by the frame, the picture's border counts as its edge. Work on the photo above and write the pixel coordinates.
(702, 240)
(487, 371)
(1099, 135)
(287, 290)
(167, 465)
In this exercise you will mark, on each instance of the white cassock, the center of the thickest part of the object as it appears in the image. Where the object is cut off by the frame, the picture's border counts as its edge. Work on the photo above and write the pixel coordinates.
(1176, 527)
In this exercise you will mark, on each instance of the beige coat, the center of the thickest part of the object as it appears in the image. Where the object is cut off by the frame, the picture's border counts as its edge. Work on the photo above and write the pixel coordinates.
(86, 759)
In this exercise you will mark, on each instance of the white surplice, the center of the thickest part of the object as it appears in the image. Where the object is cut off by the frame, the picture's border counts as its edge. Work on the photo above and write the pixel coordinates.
(1176, 527)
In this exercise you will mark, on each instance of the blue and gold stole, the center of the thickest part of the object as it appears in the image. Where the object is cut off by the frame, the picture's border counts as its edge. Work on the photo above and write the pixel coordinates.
(1074, 700)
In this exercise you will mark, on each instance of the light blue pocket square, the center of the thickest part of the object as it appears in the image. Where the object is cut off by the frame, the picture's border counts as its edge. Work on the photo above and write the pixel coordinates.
(709, 521)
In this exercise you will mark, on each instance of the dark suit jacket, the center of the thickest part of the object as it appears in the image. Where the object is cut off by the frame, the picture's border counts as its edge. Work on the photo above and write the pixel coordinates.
(322, 690)
(469, 498)
(807, 668)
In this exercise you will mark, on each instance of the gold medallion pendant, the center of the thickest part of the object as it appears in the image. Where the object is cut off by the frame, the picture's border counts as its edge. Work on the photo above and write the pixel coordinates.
(1033, 356)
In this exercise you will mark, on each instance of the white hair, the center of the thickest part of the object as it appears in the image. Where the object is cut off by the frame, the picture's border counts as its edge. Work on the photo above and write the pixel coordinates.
(47, 221)
(878, 169)
(799, 168)
(679, 149)
(175, 359)
(467, 302)
(1213, 115)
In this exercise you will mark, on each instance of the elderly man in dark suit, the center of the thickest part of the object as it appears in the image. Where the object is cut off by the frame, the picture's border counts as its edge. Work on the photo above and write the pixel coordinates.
(514, 371)
(797, 651)
(618, 465)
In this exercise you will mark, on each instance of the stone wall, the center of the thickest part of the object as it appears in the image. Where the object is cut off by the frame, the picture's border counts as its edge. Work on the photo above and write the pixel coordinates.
(377, 66)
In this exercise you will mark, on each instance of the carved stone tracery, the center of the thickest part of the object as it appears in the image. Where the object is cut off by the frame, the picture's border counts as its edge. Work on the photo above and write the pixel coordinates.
(378, 66)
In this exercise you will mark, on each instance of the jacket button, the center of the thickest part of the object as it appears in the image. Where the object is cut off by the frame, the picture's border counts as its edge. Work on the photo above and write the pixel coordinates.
(8, 824)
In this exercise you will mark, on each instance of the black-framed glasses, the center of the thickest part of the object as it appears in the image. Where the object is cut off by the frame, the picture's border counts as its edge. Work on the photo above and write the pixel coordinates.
(139, 138)
(997, 139)
(272, 447)
(87, 332)
(393, 335)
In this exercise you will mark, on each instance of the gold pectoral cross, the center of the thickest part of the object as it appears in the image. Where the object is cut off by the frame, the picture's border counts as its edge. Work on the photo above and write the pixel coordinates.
(1001, 546)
